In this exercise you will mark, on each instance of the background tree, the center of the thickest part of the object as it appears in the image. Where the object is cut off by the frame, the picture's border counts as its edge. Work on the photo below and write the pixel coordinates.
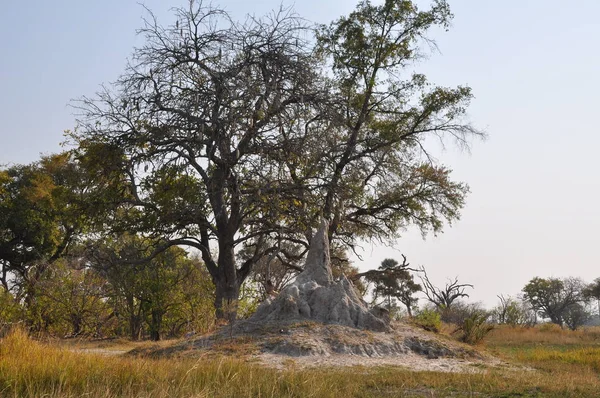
(30, 227)
(443, 298)
(276, 270)
(576, 315)
(74, 295)
(192, 310)
(118, 261)
(406, 294)
(553, 298)
(233, 134)
(149, 289)
(513, 312)
(592, 291)
(393, 281)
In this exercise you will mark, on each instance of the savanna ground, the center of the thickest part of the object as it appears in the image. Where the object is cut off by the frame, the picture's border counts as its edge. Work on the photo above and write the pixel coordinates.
(557, 363)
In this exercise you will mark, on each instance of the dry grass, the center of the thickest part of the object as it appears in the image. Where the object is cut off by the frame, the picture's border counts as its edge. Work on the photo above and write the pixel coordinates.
(567, 363)
(548, 334)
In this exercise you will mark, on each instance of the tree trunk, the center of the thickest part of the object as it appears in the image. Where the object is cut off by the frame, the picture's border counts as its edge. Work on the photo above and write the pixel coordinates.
(76, 322)
(226, 300)
(227, 284)
(155, 325)
(135, 324)
(134, 327)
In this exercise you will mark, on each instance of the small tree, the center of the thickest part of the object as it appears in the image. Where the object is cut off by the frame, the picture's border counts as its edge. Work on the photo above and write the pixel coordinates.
(475, 327)
(443, 298)
(461, 311)
(592, 291)
(393, 281)
(511, 312)
(10, 310)
(576, 315)
(146, 290)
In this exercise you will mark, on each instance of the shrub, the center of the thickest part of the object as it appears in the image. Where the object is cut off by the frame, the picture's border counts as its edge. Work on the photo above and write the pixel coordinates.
(429, 320)
(459, 312)
(475, 327)
(513, 312)
(10, 312)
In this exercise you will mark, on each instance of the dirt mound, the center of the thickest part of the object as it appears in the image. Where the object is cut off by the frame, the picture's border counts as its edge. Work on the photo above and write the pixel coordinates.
(314, 339)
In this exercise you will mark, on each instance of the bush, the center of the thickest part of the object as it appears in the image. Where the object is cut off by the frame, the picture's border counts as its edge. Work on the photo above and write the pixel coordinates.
(10, 312)
(514, 312)
(429, 320)
(475, 327)
(575, 316)
(459, 312)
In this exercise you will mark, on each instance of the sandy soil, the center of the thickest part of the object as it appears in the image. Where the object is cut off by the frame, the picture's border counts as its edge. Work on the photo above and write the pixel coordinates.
(412, 362)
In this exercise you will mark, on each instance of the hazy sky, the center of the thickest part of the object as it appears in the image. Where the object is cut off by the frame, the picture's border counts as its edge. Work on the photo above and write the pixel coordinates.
(534, 68)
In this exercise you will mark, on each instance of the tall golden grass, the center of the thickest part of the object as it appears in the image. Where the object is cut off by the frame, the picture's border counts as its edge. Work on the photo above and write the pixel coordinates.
(32, 369)
(547, 333)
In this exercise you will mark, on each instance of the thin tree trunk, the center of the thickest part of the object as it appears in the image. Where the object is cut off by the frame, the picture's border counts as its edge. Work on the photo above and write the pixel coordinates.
(156, 325)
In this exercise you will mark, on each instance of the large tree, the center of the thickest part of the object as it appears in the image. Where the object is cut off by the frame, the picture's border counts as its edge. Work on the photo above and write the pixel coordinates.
(194, 115)
(235, 135)
(556, 299)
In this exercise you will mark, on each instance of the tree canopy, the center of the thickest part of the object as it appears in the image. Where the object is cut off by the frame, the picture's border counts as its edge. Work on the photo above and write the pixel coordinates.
(44, 207)
(560, 300)
(229, 135)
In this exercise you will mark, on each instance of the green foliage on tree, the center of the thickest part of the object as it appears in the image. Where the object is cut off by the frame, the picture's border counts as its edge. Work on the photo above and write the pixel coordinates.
(11, 312)
(46, 208)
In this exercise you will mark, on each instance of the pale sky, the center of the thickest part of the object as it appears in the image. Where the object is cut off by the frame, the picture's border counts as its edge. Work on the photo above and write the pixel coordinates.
(534, 68)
